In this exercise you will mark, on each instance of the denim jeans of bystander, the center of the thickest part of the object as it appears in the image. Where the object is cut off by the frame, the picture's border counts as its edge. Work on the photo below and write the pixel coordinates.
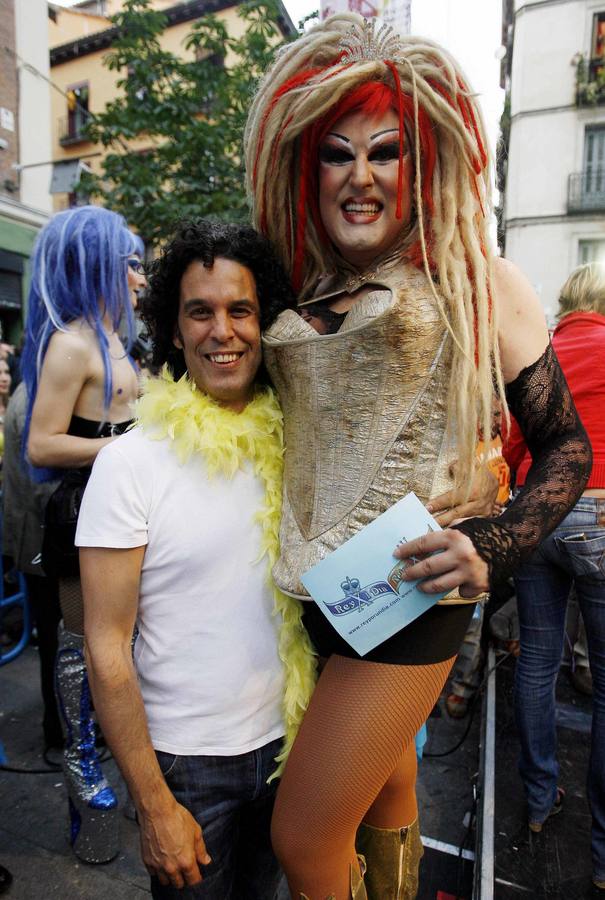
(230, 798)
(573, 555)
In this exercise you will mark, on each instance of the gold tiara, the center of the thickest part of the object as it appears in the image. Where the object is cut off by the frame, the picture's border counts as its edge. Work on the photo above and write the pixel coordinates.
(362, 44)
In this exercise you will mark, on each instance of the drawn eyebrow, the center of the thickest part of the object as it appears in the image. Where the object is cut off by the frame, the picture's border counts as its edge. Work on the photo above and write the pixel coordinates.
(386, 131)
(339, 136)
(373, 137)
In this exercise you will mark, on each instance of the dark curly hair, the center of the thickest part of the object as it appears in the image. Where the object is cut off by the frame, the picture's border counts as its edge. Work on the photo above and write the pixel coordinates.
(202, 240)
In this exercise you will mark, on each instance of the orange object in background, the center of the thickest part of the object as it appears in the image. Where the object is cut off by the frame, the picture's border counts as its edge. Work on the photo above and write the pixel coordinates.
(497, 465)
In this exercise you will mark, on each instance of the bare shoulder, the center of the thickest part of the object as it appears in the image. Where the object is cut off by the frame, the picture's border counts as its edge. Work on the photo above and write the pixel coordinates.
(77, 339)
(522, 331)
(513, 292)
(69, 352)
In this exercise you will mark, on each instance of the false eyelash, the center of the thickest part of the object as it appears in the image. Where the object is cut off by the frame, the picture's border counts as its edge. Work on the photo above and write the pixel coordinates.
(384, 153)
(334, 155)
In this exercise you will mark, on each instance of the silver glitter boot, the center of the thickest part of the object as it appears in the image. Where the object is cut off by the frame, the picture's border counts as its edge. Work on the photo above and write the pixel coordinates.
(93, 805)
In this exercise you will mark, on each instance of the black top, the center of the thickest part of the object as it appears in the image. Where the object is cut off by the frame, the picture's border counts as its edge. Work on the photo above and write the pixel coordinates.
(88, 428)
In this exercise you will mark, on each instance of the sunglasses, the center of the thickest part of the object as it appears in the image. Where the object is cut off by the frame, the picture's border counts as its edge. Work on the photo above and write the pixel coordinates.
(136, 265)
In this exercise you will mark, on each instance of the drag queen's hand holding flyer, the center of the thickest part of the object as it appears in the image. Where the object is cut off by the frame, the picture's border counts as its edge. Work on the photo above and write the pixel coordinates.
(360, 587)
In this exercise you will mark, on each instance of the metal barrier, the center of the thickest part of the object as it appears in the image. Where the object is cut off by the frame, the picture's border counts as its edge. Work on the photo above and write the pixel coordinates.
(483, 885)
(19, 598)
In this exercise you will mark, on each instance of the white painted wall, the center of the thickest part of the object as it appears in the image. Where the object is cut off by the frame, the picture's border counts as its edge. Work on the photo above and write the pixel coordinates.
(548, 253)
(31, 27)
(541, 156)
(547, 146)
(546, 39)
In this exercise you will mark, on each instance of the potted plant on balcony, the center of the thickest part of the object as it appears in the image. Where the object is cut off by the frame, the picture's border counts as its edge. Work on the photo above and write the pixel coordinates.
(590, 81)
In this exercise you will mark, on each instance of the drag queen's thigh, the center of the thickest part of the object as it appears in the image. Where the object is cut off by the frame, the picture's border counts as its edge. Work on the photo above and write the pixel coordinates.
(361, 718)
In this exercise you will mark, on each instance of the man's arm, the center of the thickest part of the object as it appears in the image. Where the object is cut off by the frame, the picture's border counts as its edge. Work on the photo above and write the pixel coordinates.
(64, 373)
(172, 847)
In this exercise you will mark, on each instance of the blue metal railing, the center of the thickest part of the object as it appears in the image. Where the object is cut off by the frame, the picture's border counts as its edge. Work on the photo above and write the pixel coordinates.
(18, 598)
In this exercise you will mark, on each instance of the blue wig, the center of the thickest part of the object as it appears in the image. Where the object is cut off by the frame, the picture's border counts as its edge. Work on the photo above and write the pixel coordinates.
(79, 271)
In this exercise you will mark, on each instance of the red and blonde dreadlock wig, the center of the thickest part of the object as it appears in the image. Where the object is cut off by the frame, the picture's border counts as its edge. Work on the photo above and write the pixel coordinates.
(341, 66)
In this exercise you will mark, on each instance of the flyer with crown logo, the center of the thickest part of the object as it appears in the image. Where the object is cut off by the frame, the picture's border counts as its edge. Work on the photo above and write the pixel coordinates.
(360, 588)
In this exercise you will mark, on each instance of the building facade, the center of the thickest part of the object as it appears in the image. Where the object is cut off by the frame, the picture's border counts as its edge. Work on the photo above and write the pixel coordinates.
(80, 37)
(25, 150)
(554, 208)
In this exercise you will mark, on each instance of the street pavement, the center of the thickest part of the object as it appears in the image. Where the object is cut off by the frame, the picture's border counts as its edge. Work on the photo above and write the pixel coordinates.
(33, 809)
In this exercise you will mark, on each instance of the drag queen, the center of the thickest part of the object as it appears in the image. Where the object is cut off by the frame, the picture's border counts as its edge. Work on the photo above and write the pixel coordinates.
(367, 168)
(86, 272)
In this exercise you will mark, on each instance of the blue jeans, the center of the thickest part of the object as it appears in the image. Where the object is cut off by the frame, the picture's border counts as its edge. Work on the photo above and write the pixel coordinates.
(230, 798)
(573, 555)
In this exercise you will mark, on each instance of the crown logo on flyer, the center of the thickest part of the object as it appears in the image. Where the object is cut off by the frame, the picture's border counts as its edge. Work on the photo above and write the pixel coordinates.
(356, 598)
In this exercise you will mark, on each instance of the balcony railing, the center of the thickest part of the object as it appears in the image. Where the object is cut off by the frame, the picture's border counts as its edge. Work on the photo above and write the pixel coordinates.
(72, 129)
(586, 192)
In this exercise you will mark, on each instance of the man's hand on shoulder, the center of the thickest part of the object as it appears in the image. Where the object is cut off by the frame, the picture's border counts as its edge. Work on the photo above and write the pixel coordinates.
(172, 845)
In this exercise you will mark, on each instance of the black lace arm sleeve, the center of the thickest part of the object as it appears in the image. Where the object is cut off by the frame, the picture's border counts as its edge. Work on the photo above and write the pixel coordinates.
(541, 402)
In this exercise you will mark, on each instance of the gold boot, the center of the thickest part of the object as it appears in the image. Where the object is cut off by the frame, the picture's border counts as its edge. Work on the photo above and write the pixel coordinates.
(393, 857)
(358, 891)
(358, 887)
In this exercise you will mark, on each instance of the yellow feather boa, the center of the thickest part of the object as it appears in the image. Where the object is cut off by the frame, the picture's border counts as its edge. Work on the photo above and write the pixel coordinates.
(227, 440)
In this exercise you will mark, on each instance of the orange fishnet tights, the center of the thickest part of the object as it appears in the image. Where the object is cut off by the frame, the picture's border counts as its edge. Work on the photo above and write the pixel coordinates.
(353, 761)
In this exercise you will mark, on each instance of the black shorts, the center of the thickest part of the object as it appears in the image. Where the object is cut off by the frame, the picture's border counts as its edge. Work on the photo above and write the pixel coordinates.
(434, 637)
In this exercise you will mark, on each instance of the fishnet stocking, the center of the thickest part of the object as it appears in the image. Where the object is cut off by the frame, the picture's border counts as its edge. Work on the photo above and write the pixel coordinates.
(395, 806)
(362, 719)
(72, 607)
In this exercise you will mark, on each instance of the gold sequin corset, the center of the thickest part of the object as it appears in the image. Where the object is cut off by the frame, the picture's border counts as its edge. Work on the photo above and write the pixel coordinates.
(365, 414)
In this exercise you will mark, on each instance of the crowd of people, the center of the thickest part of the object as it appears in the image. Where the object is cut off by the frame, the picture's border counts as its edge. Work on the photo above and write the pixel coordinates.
(351, 347)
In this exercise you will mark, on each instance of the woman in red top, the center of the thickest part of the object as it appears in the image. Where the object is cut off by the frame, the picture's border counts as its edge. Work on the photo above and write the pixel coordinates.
(574, 554)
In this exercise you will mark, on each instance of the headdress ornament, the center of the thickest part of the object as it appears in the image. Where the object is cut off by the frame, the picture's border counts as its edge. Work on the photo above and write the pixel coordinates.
(363, 43)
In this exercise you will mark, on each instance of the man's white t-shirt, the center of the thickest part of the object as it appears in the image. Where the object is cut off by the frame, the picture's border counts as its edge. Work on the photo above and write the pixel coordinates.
(206, 653)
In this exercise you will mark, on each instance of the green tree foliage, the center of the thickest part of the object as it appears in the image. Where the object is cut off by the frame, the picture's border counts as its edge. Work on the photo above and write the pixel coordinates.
(186, 115)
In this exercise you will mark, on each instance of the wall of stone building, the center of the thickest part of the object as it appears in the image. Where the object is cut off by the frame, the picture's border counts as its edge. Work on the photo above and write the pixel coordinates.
(9, 98)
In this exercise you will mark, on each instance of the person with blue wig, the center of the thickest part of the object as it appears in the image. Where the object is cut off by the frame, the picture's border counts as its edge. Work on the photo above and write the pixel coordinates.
(81, 383)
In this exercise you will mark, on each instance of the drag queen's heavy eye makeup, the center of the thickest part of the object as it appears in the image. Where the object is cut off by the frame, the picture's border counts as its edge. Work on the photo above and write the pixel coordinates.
(335, 155)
